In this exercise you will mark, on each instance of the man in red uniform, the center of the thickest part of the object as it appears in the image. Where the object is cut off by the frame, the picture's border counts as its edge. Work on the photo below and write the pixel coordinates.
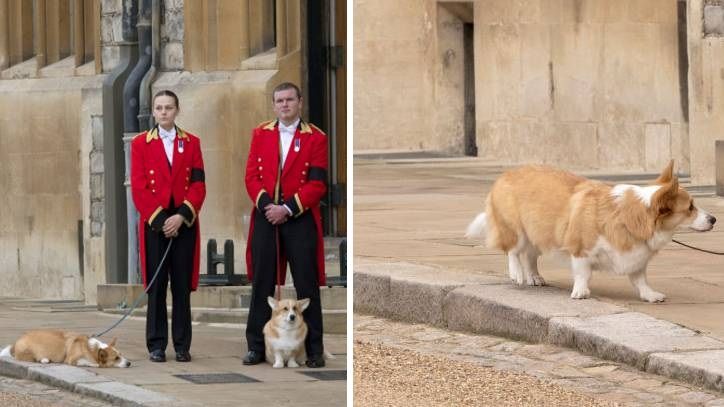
(286, 177)
(168, 187)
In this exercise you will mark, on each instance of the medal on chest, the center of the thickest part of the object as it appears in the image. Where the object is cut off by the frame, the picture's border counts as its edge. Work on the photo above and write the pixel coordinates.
(180, 146)
(297, 144)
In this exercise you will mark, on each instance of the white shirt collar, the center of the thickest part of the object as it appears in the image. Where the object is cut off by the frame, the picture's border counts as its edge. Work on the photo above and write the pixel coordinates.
(291, 128)
(167, 134)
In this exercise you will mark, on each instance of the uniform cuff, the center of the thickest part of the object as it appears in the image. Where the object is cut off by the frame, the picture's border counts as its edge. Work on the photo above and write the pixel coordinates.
(262, 200)
(187, 211)
(295, 205)
(157, 220)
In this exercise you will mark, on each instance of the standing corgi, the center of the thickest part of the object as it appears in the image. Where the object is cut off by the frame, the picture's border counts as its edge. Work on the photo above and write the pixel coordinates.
(285, 332)
(618, 228)
(52, 346)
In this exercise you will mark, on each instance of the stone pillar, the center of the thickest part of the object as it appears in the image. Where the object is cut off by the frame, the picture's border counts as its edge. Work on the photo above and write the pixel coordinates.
(281, 28)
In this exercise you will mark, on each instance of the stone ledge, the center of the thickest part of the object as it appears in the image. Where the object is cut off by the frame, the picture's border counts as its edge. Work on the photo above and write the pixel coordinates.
(85, 382)
(538, 314)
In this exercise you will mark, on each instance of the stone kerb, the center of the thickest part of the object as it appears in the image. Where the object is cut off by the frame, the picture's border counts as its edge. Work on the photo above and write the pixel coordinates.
(516, 312)
(409, 292)
(628, 337)
(491, 305)
(702, 368)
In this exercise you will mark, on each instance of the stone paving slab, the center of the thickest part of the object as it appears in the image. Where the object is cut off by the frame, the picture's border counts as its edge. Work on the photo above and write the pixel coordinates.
(125, 394)
(541, 315)
(629, 337)
(63, 376)
(704, 368)
(520, 313)
(85, 382)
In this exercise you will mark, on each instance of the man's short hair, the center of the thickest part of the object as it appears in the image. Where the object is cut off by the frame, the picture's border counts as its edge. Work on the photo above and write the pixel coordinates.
(285, 86)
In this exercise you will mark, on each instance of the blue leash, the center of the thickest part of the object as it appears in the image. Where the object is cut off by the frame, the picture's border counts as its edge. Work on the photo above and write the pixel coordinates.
(138, 300)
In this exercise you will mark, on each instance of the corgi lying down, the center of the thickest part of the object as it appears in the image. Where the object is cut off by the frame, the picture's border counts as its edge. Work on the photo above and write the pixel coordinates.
(618, 228)
(52, 346)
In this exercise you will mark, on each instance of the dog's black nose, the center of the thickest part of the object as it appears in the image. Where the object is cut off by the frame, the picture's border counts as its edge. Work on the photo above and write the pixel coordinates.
(712, 219)
(292, 317)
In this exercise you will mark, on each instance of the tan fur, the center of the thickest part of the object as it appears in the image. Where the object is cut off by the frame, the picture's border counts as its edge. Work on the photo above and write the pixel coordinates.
(556, 209)
(284, 338)
(536, 209)
(63, 347)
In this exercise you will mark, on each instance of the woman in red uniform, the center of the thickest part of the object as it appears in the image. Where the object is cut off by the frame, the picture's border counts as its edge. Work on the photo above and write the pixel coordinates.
(167, 182)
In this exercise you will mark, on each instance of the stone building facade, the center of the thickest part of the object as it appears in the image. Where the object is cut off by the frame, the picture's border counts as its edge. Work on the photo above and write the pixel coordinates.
(221, 57)
(584, 84)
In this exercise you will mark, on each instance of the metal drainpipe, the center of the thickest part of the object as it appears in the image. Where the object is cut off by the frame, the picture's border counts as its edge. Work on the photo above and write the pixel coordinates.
(145, 122)
(114, 197)
(131, 127)
(333, 114)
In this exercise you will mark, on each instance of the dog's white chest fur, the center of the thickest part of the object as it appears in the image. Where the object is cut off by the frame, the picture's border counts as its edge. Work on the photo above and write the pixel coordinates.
(287, 342)
(605, 257)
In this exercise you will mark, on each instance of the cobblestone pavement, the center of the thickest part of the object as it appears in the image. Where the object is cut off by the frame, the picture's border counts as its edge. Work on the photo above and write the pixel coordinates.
(27, 393)
(498, 371)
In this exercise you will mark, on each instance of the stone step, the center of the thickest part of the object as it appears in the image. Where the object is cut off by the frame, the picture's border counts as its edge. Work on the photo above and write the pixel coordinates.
(121, 296)
(334, 320)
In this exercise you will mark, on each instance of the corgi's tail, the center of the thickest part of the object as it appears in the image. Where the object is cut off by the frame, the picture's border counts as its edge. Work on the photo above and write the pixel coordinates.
(477, 227)
(7, 351)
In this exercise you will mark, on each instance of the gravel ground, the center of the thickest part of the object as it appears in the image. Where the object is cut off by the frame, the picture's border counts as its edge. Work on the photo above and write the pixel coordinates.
(27, 393)
(385, 376)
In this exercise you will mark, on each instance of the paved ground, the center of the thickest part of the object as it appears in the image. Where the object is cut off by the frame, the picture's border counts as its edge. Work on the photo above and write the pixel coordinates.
(401, 364)
(417, 210)
(412, 264)
(215, 350)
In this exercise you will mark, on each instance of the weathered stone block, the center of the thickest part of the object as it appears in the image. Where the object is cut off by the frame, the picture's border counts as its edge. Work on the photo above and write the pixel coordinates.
(172, 56)
(714, 20)
(703, 368)
(96, 162)
(515, 312)
(626, 337)
(172, 29)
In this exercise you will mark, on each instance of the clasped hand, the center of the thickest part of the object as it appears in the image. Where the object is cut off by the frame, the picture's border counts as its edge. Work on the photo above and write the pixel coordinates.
(276, 214)
(172, 225)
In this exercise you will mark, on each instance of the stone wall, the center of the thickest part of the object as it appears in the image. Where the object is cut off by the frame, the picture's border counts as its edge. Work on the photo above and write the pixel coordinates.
(583, 84)
(706, 85)
(44, 124)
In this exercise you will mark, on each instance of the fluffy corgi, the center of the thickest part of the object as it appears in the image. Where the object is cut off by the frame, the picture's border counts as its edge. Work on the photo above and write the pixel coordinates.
(46, 346)
(285, 332)
(618, 228)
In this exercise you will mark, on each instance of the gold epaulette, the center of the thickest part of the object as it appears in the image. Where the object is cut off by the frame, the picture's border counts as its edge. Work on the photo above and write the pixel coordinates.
(267, 125)
(318, 129)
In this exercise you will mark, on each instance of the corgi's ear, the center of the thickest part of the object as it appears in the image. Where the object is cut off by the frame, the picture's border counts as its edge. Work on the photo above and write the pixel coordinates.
(272, 302)
(113, 342)
(662, 200)
(102, 356)
(303, 303)
(667, 174)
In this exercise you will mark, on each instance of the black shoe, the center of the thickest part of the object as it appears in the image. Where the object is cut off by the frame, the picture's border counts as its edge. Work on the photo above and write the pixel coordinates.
(253, 357)
(315, 361)
(157, 356)
(183, 357)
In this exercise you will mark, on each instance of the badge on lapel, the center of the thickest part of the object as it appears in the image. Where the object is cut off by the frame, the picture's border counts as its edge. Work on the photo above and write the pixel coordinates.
(180, 146)
(297, 143)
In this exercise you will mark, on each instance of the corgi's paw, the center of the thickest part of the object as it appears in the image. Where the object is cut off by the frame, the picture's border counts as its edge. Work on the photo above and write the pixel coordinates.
(44, 360)
(292, 363)
(580, 293)
(278, 364)
(536, 281)
(653, 296)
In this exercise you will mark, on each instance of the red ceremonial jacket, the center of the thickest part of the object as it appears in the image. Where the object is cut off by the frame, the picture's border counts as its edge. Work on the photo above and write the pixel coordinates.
(303, 179)
(153, 183)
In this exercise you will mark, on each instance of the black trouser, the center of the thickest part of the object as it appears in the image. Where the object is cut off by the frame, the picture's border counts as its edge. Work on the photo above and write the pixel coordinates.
(179, 264)
(298, 241)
